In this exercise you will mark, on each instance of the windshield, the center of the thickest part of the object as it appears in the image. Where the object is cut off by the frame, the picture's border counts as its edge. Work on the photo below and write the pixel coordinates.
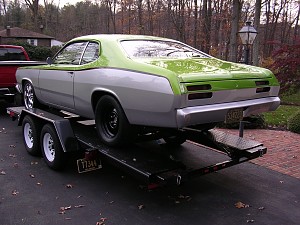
(159, 49)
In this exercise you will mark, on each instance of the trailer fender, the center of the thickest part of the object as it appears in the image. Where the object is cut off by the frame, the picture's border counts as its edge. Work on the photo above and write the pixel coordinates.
(62, 126)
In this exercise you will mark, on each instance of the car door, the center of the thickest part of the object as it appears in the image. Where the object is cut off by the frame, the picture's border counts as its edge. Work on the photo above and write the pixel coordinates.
(56, 82)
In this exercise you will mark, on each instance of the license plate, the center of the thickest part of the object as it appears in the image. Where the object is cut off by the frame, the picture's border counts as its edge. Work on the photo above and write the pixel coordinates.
(234, 115)
(85, 165)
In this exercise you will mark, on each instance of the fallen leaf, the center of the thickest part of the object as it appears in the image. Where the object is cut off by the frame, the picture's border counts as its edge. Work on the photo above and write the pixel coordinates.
(67, 207)
(241, 205)
(15, 192)
(261, 208)
(12, 146)
(38, 183)
(111, 202)
(31, 175)
(141, 207)
(250, 221)
(16, 165)
(79, 206)
(12, 155)
(281, 182)
(2, 172)
(34, 163)
(79, 196)
(64, 208)
(69, 186)
(101, 221)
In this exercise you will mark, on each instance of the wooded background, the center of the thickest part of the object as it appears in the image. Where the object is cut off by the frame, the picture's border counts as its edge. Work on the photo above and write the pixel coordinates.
(208, 25)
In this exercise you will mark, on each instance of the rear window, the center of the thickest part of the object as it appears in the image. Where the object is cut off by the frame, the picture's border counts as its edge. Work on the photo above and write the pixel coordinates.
(11, 54)
(160, 48)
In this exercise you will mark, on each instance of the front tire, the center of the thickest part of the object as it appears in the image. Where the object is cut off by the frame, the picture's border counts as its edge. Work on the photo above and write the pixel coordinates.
(31, 131)
(30, 100)
(112, 125)
(51, 148)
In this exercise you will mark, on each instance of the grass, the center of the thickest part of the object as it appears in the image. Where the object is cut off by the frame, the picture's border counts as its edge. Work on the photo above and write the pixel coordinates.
(290, 104)
(280, 117)
(291, 99)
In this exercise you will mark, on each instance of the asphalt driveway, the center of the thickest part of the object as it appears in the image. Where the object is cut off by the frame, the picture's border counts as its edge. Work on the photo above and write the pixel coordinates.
(31, 193)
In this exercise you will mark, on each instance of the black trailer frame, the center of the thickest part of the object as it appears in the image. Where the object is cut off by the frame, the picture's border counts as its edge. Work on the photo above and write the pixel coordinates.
(156, 163)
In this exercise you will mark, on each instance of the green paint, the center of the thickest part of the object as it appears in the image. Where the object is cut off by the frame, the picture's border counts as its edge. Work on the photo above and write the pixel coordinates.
(221, 75)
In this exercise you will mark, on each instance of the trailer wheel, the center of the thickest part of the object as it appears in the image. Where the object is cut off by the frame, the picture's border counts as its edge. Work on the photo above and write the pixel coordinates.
(112, 125)
(30, 100)
(51, 148)
(31, 130)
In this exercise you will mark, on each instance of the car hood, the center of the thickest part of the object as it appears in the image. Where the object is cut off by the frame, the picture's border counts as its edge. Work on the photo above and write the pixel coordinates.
(201, 69)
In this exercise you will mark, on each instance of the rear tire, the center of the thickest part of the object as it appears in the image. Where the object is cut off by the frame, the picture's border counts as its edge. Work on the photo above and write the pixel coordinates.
(51, 148)
(31, 131)
(112, 125)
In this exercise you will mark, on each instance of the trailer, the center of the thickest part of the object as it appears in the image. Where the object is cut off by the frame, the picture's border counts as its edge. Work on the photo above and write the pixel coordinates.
(55, 133)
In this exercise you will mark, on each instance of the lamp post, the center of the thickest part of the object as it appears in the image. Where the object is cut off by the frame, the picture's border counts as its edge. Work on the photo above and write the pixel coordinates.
(247, 35)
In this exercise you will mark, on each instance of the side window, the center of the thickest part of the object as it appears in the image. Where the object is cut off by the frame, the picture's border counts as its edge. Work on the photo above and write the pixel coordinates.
(91, 53)
(70, 54)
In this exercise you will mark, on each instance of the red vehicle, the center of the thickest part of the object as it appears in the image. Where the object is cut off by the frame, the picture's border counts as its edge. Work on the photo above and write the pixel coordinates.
(11, 57)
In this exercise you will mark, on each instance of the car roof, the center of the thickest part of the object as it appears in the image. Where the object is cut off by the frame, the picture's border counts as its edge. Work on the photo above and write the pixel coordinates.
(118, 37)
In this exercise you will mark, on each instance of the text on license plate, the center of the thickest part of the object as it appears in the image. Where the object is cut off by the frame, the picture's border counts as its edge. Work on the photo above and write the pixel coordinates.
(84, 165)
(234, 115)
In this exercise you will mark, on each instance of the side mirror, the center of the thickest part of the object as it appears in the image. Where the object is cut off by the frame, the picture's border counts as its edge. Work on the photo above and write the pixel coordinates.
(49, 60)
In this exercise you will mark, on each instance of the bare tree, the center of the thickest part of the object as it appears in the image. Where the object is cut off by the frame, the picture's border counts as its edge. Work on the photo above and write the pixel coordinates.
(33, 5)
(236, 7)
(256, 43)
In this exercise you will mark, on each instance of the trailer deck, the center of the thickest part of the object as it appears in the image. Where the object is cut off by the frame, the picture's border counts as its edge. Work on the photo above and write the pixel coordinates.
(154, 162)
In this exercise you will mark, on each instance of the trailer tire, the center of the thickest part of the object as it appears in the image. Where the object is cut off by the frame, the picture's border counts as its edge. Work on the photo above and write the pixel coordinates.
(31, 130)
(51, 148)
(112, 124)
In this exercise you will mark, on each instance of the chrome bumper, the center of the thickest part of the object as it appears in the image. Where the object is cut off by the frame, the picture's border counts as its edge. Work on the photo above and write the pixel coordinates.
(216, 113)
(18, 88)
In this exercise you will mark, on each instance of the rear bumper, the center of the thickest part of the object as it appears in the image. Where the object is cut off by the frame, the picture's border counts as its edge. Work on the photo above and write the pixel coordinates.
(216, 113)
(7, 92)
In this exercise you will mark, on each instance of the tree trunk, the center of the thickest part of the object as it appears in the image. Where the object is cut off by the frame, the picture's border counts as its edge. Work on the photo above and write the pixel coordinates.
(234, 30)
(256, 43)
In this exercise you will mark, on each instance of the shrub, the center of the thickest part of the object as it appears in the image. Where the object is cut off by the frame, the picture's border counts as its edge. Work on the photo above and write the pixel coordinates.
(252, 122)
(286, 65)
(39, 53)
(294, 123)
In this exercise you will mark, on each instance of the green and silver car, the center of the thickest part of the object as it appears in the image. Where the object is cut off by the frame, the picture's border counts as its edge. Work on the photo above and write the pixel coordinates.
(132, 85)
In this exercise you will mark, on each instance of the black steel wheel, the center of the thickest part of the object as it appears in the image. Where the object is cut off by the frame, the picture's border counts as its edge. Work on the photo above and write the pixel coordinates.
(30, 100)
(51, 148)
(31, 135)
(112, 125)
